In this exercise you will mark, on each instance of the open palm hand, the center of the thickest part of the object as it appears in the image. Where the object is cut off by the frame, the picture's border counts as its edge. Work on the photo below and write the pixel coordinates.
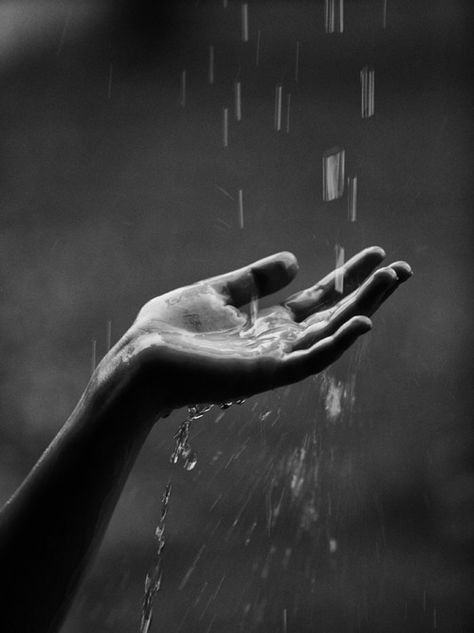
(200, 346)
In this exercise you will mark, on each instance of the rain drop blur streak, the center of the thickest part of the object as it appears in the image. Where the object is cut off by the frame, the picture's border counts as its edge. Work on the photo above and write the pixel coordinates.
(241, 208)
(352, 198)
(238, 101)
(333, 173)
(253, 310)
(278, 99)
(384, 14)
(225, 127)
(339, 281)
(367, 87)
(334, 16)
(93, 355)
(245, 22)
(211, 65)
(108, 335)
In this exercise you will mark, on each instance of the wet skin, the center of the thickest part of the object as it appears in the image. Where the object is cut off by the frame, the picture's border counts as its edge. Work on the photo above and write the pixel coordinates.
(191, 345)
(200, 343)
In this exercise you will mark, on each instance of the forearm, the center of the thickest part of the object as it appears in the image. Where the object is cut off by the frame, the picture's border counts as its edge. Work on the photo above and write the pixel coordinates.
(54, 523)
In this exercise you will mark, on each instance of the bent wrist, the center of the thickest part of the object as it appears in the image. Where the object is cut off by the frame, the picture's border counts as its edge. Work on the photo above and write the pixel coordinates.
(121, 384)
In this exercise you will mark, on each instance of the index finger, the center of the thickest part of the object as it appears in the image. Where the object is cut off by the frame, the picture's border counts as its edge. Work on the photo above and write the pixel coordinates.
(324, 293)
(256, 280)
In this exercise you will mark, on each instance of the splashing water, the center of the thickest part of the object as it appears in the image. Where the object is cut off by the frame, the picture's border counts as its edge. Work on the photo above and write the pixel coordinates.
(182, 447)
(338, 396)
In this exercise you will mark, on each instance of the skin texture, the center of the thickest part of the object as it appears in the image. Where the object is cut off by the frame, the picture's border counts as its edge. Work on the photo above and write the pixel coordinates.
(191, 345)
(198, 339)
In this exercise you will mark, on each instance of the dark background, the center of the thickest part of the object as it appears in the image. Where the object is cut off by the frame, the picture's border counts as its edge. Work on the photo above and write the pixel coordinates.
(111, 193)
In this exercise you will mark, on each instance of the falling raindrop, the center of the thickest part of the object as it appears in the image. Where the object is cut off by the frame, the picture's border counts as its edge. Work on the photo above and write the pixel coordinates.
(211, 65)
(352, 198)
(334, 16)
(253, 312)
(241, 208)
(367, 85)
(339, 281)
(384, 14)
(333, 173)
(245, 22)
(238, 100)
(93, 355)
(108, 335)
(278, 100)
(225, 127)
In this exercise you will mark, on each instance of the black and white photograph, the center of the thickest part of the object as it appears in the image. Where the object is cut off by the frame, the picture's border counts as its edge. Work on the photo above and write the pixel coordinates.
(236, 316)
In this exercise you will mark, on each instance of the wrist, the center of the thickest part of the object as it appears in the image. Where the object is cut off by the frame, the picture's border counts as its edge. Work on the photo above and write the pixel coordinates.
(120, 385)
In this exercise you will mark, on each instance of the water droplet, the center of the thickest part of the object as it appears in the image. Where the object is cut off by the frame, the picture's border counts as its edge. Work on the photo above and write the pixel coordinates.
(191, 461)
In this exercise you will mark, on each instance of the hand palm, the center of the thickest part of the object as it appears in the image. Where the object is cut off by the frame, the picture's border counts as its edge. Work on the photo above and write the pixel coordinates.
(207, 350)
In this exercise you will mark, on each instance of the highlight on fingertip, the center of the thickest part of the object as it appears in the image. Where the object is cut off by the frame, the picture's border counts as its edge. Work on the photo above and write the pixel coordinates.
(365, 323)
(360, 323)
(376, 250)
(290, 261)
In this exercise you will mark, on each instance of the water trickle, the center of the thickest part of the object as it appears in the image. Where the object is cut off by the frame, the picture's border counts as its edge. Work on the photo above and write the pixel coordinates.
(183, 447)
(154, 576)
(184, 451)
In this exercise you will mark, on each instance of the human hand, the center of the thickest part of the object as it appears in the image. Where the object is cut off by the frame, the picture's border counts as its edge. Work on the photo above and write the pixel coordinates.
(197, 345)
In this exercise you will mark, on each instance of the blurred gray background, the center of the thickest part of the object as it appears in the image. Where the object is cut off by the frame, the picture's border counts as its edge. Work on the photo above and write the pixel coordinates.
(111, 192)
